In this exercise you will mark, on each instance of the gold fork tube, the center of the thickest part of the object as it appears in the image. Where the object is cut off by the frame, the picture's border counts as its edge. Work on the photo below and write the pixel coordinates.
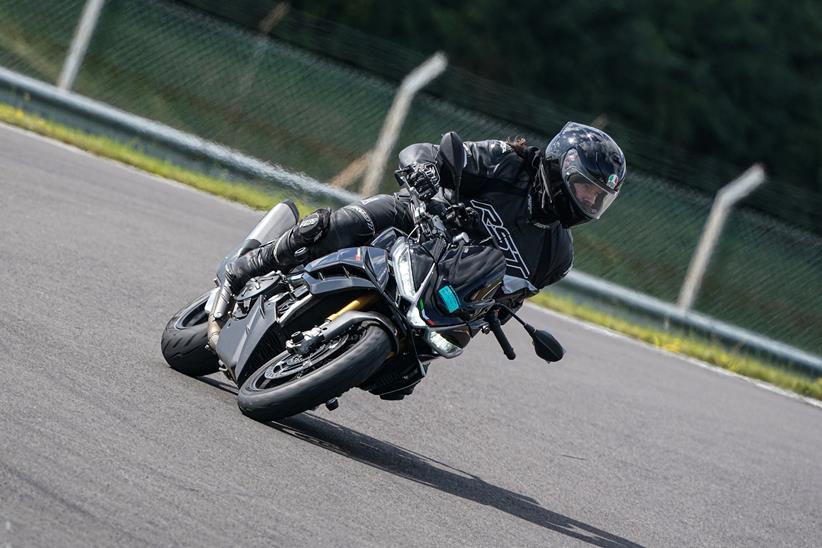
(357, 304)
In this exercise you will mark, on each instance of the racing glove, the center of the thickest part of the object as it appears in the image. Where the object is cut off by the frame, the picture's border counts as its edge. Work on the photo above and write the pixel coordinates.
(424, 178)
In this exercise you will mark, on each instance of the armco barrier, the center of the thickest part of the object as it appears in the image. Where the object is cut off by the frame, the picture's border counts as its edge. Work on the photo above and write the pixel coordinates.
(17, 86)
(43, 93)
(669, 313)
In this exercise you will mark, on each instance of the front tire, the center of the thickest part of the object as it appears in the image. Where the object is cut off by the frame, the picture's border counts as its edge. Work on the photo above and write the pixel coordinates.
(265, 397)
(184, 341)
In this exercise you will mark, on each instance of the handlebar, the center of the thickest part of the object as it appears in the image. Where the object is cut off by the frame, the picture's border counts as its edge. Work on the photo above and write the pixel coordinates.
(457, 215)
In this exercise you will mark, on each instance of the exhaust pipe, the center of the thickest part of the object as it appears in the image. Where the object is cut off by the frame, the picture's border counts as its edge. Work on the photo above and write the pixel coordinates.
(216, 316)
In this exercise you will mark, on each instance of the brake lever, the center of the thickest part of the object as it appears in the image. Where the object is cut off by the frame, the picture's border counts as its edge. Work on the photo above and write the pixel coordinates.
(401, 175)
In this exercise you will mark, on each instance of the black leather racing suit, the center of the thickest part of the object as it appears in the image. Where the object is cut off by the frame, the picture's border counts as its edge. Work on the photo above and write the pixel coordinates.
(495, 181)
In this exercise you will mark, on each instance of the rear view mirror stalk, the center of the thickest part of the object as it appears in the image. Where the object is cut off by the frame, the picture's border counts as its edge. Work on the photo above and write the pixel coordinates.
(546, 345)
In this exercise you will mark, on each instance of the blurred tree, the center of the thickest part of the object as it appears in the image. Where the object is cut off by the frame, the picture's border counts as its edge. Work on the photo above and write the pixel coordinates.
(736, 80)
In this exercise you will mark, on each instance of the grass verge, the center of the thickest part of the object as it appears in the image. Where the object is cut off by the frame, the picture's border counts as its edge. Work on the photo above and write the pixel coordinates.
(250, 195)
(102, 146)
(689, 345)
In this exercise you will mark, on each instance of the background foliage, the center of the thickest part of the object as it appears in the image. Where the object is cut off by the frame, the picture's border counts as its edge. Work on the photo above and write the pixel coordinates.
(719, 84)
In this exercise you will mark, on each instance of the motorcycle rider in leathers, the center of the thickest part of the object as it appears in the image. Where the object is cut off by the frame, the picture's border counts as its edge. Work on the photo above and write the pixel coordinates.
(526, 199)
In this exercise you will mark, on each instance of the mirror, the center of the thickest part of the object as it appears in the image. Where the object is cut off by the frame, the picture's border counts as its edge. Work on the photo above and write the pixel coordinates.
(547, 347)
(452, 155)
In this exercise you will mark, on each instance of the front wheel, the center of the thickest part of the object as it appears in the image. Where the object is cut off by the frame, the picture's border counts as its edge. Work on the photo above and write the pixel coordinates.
(289, 384)
(184, 340)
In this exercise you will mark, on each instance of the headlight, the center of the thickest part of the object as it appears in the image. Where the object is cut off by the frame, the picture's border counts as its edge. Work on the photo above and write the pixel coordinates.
(442, 345)
(401, 257)
(415, 318)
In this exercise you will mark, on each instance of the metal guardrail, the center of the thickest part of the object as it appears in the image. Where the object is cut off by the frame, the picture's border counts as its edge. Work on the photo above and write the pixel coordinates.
(242, 163)
(178, 140)
(668, 312)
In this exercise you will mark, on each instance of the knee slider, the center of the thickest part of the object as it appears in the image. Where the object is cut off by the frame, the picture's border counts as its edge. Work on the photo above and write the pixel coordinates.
(312, 228)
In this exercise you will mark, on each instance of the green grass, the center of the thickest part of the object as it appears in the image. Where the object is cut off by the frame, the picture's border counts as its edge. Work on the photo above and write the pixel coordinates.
(688, 345)
(232, 190)
(252, 196)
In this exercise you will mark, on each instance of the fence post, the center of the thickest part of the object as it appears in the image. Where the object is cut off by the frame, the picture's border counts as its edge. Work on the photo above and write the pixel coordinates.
(247, 79)
(411, 84)
(79, 44)
(726, 198)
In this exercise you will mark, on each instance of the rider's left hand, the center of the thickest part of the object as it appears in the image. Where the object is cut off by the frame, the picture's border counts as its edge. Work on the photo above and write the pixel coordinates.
(425, 179)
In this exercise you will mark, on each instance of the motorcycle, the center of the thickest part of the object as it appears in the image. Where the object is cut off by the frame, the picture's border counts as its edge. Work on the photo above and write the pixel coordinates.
(373, 316)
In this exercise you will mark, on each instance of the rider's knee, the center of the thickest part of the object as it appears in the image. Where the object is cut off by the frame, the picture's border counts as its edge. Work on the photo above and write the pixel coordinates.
(312, 228)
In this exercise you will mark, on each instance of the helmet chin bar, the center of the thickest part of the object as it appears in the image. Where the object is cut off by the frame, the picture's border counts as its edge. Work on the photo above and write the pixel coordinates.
(548, 201)
(540, 207)
(568, 214)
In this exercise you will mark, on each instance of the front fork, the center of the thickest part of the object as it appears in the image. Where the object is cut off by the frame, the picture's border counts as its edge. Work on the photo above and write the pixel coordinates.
(357, 304)
(305, 342)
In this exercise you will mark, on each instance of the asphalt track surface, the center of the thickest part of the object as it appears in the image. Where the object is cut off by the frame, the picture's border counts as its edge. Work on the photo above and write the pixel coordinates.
(102, 444)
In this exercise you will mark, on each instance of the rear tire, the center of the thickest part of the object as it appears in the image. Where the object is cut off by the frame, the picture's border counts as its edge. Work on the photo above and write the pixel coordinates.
(347, 368)
(184, 341)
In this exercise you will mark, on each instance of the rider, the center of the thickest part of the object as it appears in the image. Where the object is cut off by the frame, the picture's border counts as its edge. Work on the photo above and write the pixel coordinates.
(527, 199)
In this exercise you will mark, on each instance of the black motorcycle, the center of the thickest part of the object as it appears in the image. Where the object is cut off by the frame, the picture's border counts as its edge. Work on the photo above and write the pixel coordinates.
(372, 317)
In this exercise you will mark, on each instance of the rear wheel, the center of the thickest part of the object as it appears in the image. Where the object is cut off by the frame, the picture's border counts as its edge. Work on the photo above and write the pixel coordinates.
(292, 383)
(184, 341)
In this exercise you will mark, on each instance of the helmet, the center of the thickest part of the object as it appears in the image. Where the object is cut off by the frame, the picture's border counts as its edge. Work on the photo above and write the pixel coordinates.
(579, 175)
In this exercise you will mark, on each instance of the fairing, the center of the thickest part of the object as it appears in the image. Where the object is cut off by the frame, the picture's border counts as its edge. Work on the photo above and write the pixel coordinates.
(241, 337)
(367, 268)
(372, 261)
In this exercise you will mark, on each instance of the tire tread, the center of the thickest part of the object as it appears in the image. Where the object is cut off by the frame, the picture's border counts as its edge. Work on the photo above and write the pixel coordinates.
(346, 371)
(184, 348)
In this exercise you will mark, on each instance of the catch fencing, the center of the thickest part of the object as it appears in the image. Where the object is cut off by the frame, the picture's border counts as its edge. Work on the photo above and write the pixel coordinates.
(307, 113)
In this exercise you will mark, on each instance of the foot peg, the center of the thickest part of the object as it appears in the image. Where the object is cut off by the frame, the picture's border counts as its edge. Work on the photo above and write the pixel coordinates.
(332, 404)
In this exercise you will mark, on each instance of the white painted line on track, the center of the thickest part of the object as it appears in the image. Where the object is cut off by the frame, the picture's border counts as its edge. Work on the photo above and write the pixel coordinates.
(688, 359)
(592, 327)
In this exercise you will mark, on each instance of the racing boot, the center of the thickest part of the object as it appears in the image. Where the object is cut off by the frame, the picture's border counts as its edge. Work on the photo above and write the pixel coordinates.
(289, 250)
